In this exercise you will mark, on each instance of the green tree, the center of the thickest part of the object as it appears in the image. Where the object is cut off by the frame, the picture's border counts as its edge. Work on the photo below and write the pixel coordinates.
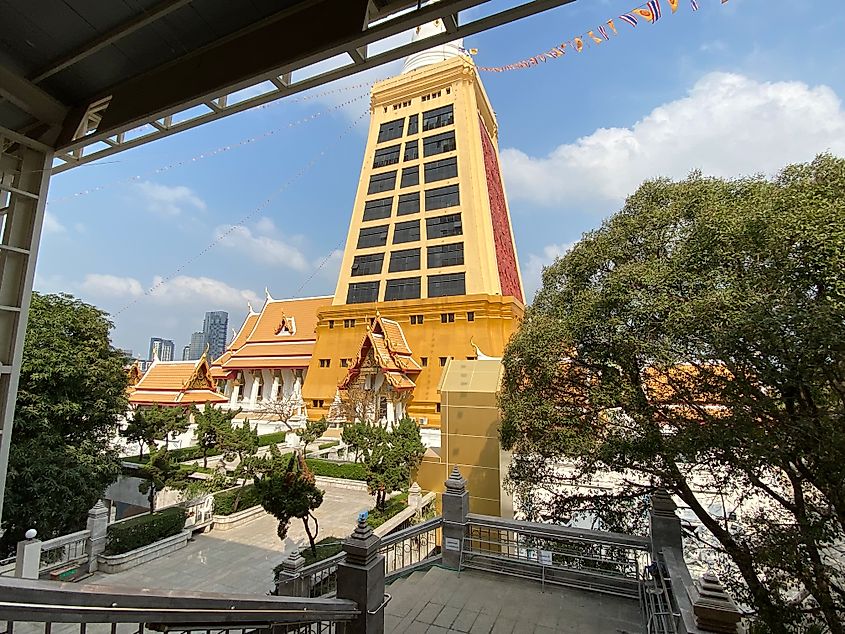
(241, 442)
(212, 426)
(696, 342)
(71, 396)
(288, 490)
(161, 471)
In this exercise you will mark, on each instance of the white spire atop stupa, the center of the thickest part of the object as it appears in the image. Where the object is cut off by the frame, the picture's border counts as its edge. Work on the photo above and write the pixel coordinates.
(435, 54)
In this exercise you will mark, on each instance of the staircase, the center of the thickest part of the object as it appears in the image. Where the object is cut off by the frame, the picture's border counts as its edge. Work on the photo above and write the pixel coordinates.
(440, 601)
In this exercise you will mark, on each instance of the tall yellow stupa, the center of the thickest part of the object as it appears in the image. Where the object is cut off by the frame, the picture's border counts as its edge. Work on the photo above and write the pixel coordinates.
(430, 250)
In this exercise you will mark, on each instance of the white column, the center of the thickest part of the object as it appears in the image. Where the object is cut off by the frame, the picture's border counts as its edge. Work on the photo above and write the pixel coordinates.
(253, 393)
(274, 391)
(391, 414)
(266, 385)
(236, 391)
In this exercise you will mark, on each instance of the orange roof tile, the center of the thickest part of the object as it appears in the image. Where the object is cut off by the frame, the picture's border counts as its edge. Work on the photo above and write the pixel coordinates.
(167, 375)
(395, 337)
(175, 382)
(390, 352)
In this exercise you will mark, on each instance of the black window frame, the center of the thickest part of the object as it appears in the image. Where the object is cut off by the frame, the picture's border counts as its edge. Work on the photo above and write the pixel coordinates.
(390, 130)
(434, 281)
(375, 209)
(438, 117)
(400, 228)
(389, 155)
(404, 260)
(443, 255)
(439, 143)
(410, 176)
(394, 285)
(442, 197)
(444, 226)
(408, 204)
(365, 264)
(381, 230)
(413, 124)
(382, 182)
(352, 296)
(441, 169)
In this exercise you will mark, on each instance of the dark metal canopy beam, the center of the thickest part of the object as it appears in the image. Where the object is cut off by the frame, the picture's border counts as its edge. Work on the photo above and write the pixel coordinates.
(30, 98)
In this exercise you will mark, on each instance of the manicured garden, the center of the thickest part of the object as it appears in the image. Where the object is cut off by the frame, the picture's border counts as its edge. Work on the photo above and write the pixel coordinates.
(195, 452)
(136, 532)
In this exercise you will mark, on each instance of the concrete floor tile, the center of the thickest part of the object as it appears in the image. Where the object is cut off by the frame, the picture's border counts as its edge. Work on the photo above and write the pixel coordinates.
(482, 624)
(436, 629)
(464, 621)
(446, 617)
(429, 613)
(503, 626)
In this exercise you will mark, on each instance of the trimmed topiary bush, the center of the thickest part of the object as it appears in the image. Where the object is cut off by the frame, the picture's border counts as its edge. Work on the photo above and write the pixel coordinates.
(345, 470)
(195, 453)
(143, 530)
(224, 501)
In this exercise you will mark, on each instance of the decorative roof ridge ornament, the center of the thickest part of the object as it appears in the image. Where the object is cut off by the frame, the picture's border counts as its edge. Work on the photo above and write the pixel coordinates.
(479, 354)
(267, 297)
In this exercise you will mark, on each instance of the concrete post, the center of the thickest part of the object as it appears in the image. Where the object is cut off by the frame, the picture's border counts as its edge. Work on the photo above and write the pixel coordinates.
(664, 524)
(713, 608)
(290, 582)
(415, 498)
(455, 510)
(28, 560)
(360, 578)
(98, 522)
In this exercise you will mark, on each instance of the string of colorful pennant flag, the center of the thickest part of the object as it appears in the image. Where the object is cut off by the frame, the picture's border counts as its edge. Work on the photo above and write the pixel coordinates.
(649, 12)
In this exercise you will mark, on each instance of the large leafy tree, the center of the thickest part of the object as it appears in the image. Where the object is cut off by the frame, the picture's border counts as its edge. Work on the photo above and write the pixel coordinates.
(161, 471)
(71, 395)
(696, 342)
(288, 490)
(212, 426)
(152, 423)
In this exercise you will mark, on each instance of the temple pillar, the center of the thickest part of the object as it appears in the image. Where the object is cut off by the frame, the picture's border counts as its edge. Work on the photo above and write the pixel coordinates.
(274, 390)
(255, 387)
(236, 392)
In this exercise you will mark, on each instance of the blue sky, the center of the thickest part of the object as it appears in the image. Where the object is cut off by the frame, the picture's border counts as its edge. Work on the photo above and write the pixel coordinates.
(732, 89)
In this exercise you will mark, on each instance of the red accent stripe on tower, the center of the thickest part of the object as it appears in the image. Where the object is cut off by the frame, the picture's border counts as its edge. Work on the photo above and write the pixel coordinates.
(505, 253)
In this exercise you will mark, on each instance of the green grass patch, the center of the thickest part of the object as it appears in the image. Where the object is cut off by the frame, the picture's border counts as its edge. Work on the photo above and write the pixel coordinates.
(328, 445)
(345, 470)
(392, 507)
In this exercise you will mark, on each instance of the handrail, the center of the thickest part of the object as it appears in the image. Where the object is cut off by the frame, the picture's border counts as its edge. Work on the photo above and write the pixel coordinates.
(411, 531)
(560, 532)
(27, 600)
(64, 540)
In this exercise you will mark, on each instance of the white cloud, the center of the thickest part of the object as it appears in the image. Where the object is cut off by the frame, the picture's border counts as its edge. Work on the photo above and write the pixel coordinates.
(104, 285)
(727, 125)
(262, 248)
(532, 271)
(328, 266)
(181, 290)
(52, 224)
(169, 200)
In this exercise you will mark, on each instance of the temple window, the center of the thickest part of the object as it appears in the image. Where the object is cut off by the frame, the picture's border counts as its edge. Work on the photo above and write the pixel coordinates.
(408, 204)
(443, 361)
(441, 170)
(383, 182)
(362, 292)
(442, 197)
(410, 177)
(439, 143)
(378, 208)
(449, 284)
(387, 156)
(438, 117)
(447, 318)
(348, 323)
(372, 237)
(413, 124)
(391, 130)
(406, 231)
(444, 226)
(446, 255)
(416, 319)
(367, 264)
(325, 363)
(470, 316)
(344, 363)
(424, 362)
(331, 323)
(404, 260)
(404, 288)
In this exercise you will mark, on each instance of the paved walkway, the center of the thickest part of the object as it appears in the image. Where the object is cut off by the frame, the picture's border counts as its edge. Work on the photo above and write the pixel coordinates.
(240, 560)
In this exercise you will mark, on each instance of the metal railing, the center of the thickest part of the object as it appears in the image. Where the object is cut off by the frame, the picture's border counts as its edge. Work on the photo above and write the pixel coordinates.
(64, 550)
(413, 547)
(655, 599)
(590, 560)
(49, 607)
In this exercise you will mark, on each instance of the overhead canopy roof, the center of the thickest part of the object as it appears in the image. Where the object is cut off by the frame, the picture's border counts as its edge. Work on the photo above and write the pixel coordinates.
(92, 78)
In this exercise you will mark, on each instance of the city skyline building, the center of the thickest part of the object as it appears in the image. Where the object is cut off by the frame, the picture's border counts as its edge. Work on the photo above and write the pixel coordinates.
(197, 345)
(215, 329)
(186, 353)
(162, 348)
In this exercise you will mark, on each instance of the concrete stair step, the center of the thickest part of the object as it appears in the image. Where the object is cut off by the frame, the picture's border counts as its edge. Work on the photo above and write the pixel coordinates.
(413, 595)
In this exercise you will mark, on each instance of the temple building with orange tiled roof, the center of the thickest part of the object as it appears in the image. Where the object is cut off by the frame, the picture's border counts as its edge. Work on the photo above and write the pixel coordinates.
(176, 383)
(264, 367)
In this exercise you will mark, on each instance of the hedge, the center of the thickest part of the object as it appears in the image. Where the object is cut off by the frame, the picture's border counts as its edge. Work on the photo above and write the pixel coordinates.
(327, 445)
(393, 506)
(345, 470)
(143, 530)
(224, 502)
(194, 453)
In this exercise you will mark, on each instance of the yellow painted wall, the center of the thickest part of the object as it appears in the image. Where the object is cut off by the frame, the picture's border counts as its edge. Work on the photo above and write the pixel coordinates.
(496, 319)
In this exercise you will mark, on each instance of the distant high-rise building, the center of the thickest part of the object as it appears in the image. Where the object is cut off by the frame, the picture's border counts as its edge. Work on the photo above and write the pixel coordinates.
(186, 353)
(164, 348)
(214, 329)
(197, 345)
